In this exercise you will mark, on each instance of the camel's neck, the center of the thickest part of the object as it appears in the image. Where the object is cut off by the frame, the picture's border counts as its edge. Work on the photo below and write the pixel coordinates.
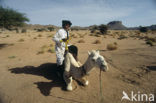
(88, 66)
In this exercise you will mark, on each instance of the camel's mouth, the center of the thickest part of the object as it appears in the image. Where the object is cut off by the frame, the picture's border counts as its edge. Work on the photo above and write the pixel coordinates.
(103, 68)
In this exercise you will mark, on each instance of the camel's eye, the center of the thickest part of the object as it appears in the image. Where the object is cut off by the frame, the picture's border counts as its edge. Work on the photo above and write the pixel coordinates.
(93, 60)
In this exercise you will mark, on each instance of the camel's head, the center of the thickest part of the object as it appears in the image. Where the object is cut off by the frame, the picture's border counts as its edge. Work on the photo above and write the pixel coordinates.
(98, 60)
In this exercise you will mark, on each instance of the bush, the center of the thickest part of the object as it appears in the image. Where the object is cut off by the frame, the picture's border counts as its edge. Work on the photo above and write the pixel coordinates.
(94, 28)
(17, 30)
(97, 42)
(81, 41)
(122, 37)
(21, 40)
(50, 28)
(143, 29)
(149, 42)
(41, 30)
(103, 29)
(24, 31)
(112, 46)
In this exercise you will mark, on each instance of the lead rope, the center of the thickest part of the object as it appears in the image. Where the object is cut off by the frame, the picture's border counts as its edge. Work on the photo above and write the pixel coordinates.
(101, 94)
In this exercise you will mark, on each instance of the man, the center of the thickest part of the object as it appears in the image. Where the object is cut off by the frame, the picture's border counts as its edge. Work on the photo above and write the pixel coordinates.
(60, 38)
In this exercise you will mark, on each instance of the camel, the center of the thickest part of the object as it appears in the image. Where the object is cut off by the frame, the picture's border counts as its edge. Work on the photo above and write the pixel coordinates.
(75, 70)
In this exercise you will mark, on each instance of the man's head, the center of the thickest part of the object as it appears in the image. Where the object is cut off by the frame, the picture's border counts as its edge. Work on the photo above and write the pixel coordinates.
(66, 24)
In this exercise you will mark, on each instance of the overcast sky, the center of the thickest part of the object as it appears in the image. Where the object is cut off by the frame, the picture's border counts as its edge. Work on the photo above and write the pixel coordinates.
(86, 12)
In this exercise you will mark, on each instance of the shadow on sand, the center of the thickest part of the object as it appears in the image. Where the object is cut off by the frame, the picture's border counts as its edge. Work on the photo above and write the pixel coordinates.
(47, 70)
(153, 68)
(3, 46)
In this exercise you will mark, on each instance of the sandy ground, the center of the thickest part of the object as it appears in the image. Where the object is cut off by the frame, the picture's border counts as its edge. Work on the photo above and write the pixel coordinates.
(28, 75)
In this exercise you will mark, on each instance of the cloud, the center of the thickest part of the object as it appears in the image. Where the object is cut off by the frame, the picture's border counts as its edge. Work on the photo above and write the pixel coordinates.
(80, 15)
(84, 12)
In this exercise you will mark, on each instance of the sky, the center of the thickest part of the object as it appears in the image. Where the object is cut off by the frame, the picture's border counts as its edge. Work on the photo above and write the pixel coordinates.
(86, 12)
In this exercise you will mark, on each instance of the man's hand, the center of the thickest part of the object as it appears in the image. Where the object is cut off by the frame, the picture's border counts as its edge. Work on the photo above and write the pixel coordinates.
(64, 40)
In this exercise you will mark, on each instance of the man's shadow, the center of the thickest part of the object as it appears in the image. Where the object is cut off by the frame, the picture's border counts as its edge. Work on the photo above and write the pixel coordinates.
(47, 70)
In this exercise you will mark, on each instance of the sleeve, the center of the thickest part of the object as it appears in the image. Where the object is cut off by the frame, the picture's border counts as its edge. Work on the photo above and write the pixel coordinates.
(58, 36)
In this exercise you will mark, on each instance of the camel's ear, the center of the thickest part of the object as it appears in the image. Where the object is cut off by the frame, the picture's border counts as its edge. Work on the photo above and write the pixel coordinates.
(89, 53)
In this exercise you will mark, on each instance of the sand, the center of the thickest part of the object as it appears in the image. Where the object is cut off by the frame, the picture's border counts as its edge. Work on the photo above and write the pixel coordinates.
(27, 69)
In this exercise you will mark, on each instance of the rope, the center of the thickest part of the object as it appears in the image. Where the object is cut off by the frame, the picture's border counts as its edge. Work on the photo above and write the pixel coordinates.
(101, 93)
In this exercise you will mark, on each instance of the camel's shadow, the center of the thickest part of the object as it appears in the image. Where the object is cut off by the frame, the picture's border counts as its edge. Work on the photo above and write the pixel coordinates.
(47, 70)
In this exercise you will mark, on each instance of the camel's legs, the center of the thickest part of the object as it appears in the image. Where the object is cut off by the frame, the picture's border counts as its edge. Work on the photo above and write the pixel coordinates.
(68, 80)
(83, 81)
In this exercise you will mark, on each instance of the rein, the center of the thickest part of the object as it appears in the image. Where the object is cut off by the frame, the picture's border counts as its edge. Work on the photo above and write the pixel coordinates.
(101, 93)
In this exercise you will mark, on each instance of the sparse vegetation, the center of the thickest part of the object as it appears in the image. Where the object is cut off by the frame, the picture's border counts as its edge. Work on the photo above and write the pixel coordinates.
(81, 41)
(46, 48)
(51, 50)
(94, 28)
(35, 38)
(97, 42)
(143, 29)
(97, 35)
(50, 29)
(41, 30)
(12, 57)
(23, 30)
(122, 37)
(103, 29)
(39, 35)
(7, 36)
(21, 40)
(112, 46)
(40, 52)
(149, 42)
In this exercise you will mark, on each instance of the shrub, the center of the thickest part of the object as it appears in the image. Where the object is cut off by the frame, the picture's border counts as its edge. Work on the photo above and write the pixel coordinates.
(143, 29)
(150, 38)
(24, 31)
(35, 38)
(81, 41)
(41, 30)
(103, 29)
(97, 35)
(50, 28)
(39, 35)
(21, 40)
(12, 57)
(122, 37)
(112, 47)
(149, 42)
(51, 50)
(97, 42)
(40, 52)
(17, 30)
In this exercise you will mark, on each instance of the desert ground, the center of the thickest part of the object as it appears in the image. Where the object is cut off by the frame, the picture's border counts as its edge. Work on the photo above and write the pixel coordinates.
(28, 67)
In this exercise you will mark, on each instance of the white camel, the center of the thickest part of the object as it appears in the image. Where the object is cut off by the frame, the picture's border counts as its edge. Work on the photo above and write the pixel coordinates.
(75, 70)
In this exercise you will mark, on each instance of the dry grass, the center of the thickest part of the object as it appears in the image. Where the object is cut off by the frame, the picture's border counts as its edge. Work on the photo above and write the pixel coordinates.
(7, 35)
(49, 36)
(21, 40)
(149, 42)
(39, 35)
(40, 52)
(97, 42)
(81, 41)
(74, 36)
(51, 50)
(97, 35)
(122, 37)
(46, 48)
(12, 57)
(35, 38)
(112, 46)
